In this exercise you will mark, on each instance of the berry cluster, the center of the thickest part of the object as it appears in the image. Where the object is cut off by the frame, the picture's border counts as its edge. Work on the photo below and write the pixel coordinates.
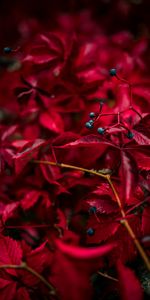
(95, 117)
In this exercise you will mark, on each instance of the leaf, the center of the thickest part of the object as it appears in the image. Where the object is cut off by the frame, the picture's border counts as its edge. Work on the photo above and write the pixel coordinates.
(7, 289)
(129, 175)
(22, 158)
(7, 133)
(102, 198)
(104, 189)
(130, 287)
(79, 253)
(37, 259)
(140, 138)
(10, 253)
(142, 92)
(22, 294)
(76, 264)
(103, 205)
(9, 211)
(146, 221)
(82, 152)
(104, 226)
(32, 146)
(142, 156)
(85, 66)
(30, 199)
(65, 138)
(52, 121)
(126, 250)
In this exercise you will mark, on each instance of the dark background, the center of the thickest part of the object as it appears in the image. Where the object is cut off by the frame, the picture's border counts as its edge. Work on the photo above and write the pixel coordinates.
(132, 15)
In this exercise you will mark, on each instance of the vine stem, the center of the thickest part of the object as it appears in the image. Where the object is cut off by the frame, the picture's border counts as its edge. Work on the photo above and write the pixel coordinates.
(108, 178)
(61, 165)
(24, 266)
(107, 276)
(128, 227)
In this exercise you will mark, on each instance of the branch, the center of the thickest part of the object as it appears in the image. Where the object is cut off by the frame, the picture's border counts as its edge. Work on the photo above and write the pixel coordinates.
(107, 276)
(45, 162)
(24, 266)
(128, 227)
(107, 177)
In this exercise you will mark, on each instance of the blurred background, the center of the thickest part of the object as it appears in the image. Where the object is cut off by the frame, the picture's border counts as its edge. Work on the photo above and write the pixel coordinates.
(118, 15)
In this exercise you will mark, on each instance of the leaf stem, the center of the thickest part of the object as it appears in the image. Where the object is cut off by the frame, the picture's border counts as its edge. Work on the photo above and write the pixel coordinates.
(128, 227)
(116, 195)
(24, 266)
(107, 276)
(108, 178)
(61, 165)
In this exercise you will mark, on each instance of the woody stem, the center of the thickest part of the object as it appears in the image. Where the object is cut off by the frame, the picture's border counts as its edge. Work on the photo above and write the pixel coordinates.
(108, 178)
(128, 227)
(107, 276)
(24, 266)
(61, 165)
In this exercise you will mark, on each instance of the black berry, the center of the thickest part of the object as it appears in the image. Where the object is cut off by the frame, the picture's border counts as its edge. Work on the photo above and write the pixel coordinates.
(88, 125)
(91, 122)
(92, 209)
(7, 50)
(90, 231)
(112, 72)
(92, 114)
(130, 135)
(100, 130)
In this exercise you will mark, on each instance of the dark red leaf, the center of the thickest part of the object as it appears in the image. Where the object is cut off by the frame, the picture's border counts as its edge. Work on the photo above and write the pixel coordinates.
(79, 151)
(22, 158)
(30, 199)
(7, 289)
(128, 175)
(10, 253)
(22, 294)
(76, 264)
(140, 138)
(104, 226)
(146, 221)
(130, 287)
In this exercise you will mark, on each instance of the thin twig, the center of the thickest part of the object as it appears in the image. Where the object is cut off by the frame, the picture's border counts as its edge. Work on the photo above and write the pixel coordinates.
(24, 266)
(107, 276)
(124, 221)
(61, 165)
(128, 227)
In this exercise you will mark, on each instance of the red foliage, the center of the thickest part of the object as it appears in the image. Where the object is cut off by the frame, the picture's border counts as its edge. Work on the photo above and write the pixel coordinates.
(74, 152)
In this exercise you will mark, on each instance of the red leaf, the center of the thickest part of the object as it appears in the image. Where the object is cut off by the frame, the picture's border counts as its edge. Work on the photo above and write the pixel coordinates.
(142, 156)
(52, 121)
(104, 227)
(22, 158)
(22, 294)
(65, 138)
(140, 138)
(104, 189)
(7, 289)
(10, 253)
(30, 199)
(79, 253)
(146, 221)
(79, 152)
(128, 174)
(103, 205)
(130, 287)
(102, 198)
(76, 264)
(36, 259)
(7, 133)
(9, 211)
